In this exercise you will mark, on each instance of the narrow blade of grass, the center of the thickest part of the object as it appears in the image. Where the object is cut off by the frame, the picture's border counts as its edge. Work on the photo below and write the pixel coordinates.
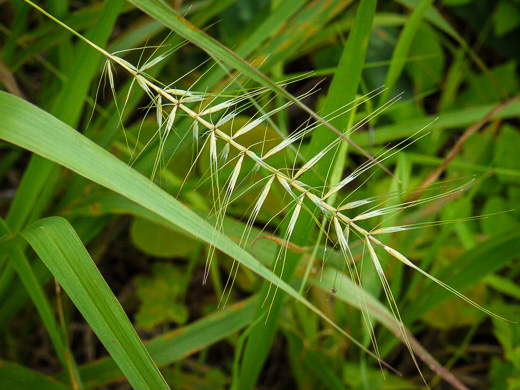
(274, 23)
(27, 126)
(58, 246)
(451, 120)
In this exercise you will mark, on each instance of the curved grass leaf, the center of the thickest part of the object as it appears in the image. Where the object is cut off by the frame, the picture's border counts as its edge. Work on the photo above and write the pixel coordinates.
(29, 127)
(36, 190)
(345, 83)
(61, 250)
(86, 228)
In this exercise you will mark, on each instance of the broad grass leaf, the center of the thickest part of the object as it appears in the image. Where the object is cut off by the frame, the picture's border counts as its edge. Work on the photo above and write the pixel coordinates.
(60, 249)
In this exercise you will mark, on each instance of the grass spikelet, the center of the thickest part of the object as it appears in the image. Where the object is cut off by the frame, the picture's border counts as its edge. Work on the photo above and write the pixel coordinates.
(216, 198)
(159, 111)
(285, 185)
(195, 132)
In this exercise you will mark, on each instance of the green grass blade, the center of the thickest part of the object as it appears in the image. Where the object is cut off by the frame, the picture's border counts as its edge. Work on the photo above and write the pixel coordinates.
(272, 25)
(86, 228)
(489, 169)
(345, 82)
(18, 26)
(58, 246)
(67, 108)
(435, 18)
(28, 127)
